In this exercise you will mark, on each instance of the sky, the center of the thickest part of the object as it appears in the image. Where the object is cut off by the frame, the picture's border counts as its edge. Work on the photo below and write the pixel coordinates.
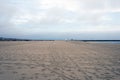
(60, 19)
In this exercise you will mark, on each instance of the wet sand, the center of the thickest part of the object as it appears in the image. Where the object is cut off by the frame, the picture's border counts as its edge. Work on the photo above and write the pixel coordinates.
(59, 60)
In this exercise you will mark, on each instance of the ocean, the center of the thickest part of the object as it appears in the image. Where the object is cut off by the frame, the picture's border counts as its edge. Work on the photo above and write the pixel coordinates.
(111, 42)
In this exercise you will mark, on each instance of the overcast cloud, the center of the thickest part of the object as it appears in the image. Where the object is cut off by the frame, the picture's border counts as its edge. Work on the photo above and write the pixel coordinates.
(60, 19)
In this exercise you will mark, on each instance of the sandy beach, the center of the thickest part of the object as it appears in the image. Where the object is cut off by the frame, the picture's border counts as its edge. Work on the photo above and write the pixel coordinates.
(59, 60)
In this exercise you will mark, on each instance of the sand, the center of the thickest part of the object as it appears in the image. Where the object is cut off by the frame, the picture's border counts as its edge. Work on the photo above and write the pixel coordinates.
(59, 60)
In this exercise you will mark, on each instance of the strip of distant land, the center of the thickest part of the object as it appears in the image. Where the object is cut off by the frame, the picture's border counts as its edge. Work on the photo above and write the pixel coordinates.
(12, 39)
(16, 39)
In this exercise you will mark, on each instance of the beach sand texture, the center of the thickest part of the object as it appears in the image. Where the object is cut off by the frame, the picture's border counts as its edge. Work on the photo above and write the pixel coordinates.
(59, 60)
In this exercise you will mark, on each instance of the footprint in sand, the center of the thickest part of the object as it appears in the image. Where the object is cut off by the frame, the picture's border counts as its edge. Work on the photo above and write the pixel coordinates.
(1, 72)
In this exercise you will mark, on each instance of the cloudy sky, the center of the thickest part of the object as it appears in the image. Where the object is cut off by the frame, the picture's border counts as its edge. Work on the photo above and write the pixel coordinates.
(60, 19)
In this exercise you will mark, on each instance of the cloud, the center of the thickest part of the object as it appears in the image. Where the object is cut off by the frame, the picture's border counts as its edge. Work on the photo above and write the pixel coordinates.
(27, 17)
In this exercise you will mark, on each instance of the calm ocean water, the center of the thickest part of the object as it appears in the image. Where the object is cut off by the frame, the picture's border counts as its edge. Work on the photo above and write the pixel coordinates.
(111, 42)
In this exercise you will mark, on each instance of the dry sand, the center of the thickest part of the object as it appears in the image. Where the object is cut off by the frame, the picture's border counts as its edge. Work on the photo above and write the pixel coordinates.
(59, 60)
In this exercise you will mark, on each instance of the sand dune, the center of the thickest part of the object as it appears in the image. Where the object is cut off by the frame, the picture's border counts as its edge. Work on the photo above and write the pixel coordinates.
(59, 60)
